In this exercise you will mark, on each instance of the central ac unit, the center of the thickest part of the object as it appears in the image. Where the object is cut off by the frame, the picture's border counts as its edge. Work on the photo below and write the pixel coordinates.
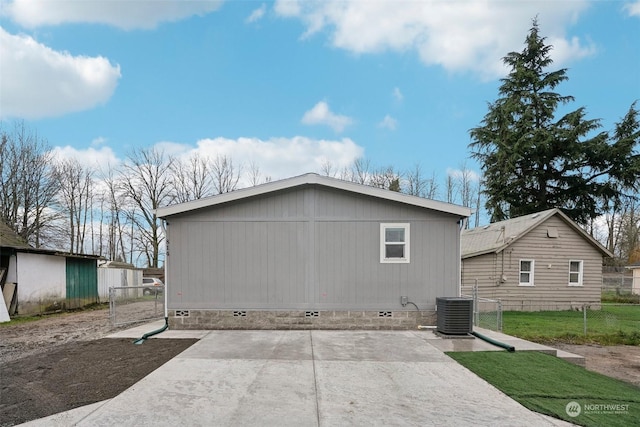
(455, 315)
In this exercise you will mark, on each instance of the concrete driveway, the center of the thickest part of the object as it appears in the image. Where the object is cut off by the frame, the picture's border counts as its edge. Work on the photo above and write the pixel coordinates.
(308, 378)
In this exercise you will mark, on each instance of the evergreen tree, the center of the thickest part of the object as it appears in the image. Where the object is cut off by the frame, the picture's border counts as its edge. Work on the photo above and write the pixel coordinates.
(532, 162)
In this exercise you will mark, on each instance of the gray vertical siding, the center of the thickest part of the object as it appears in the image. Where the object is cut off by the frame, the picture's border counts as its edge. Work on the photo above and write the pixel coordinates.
(308, 248)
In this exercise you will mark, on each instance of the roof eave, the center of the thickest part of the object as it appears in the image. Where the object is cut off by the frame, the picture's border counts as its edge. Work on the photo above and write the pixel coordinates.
(313, 179)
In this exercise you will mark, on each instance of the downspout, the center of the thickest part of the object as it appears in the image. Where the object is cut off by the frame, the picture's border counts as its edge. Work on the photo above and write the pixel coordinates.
(166, 311)
(462, 225)
(507, 347)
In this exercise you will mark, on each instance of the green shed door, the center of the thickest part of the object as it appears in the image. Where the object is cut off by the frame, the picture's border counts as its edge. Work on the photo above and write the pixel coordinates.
(82, 282)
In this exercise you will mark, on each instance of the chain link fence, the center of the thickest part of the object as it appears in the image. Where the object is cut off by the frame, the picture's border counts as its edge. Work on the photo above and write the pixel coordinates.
(596, 318)
(612, 319)
(134, 304)
(616, 281)
(487, 313)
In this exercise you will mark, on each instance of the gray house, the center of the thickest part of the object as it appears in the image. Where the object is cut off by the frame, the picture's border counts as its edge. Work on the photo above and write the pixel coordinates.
(541, 261)
(310, 252)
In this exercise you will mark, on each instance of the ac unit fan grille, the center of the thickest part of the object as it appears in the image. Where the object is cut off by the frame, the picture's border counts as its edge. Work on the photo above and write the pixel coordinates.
(455, 316)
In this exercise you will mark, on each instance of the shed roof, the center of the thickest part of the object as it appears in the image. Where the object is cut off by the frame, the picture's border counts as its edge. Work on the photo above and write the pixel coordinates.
(11, 239)
(496, 237)
(314, 179)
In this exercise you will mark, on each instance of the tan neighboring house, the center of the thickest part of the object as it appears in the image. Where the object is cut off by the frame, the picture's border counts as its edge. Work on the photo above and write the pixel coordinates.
(635, 286)
(541, 261)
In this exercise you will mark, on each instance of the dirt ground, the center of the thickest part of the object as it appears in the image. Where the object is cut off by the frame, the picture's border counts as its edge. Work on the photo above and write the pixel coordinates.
(617, 361)
(63, 362)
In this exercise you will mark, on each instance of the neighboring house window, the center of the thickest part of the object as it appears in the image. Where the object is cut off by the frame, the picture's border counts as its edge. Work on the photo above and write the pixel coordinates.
(575, 273)
(526, 272)
(394, 243)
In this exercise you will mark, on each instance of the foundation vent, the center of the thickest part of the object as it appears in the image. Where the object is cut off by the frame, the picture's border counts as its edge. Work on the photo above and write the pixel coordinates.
(182, 313)
(239, 313)
(385, 314)
(311, 314)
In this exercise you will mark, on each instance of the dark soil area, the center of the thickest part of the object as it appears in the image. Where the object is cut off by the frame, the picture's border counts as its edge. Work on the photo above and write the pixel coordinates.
(75, 374)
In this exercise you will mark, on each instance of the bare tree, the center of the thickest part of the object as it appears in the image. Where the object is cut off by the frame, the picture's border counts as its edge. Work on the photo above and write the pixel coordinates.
(27, 186)
(145, 180)
(623, 231)
(113, 197)
(224, 174)
(450, 186)
(255, 176)
(74, 197)
(361, 170)
(386, 178)
(191, 178)
(416, 184)
(478, 204)
(466, 185)
(327, 168)
(431, 189)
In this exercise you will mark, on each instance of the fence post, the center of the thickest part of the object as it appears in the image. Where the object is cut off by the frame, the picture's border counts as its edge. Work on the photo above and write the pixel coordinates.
(112, 305)
(499, 315)
(476, 310)
(584, 315)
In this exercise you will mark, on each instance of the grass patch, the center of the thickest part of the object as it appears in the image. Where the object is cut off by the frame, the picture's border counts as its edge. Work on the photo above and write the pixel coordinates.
(16, 320)
(546, 384)
(613, 297)
(611, 325)
(19, 320)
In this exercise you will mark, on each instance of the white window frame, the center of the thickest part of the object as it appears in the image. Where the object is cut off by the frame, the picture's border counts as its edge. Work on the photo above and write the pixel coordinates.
(383, 243)
(530, 273)
(580, 272)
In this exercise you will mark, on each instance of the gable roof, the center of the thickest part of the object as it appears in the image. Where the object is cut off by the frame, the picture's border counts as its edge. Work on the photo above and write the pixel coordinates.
(314, 179)
(496, 237)
(11, 239)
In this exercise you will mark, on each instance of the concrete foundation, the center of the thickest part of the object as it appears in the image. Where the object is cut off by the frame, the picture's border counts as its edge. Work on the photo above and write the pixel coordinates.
(338, 320)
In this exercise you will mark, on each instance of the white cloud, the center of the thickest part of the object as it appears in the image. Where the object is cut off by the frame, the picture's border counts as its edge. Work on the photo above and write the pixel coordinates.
(459, 36)
(89, 157)
(257, 14)
(277, 158)
(122, 14)
(40, 82)
(459, 173)
(388, 123)
(565, 51)
(97, 142)
(397, 94)
(320, 114)
(633, 8)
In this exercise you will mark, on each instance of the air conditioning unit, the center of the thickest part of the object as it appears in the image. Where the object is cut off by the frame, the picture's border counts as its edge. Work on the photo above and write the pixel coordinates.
(455, 315)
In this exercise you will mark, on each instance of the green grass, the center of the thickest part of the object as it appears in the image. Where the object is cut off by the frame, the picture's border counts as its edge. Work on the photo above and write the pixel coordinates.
(612, 325)
(546, 384)
(16, 320)
(613, 297)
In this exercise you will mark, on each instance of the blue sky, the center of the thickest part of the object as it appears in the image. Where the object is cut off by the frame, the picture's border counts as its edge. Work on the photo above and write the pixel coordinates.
(289, 85)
